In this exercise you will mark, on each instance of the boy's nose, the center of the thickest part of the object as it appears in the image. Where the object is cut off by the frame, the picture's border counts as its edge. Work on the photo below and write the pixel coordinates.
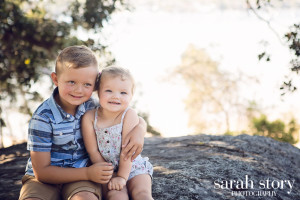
(78, 88)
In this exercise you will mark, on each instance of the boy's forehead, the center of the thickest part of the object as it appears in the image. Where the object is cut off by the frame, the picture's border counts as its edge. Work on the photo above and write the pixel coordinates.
(82, 72)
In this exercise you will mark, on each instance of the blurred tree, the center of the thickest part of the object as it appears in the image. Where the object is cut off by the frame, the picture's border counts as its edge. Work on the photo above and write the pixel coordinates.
(277, 129)
(31, 36)
(150, 129)
(213, 95)
(292, 40)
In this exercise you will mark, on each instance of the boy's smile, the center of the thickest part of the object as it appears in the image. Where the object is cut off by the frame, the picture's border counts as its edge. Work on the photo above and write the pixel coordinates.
(75, 86)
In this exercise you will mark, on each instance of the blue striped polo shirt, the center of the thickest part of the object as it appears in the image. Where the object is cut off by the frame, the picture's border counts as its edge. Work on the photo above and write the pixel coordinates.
(53, 130)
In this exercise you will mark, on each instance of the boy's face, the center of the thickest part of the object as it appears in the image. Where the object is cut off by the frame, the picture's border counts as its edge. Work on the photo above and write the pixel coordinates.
(115, 94)
(75, 86)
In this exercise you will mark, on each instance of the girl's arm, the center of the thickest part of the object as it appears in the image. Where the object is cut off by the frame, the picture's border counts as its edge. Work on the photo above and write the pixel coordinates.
(117, 183)
(89, 137)
(133, 142)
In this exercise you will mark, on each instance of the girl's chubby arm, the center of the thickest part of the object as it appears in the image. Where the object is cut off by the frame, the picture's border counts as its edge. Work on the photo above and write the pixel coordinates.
(89, 136)
(131, 119)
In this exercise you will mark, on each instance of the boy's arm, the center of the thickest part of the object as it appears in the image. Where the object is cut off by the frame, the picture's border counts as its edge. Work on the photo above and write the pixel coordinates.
(44, 172)
(117, 183)
(89, 137)
(133, 142)
(41, 158)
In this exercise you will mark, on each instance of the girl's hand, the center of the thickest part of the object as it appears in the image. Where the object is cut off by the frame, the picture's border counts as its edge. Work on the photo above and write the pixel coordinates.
(116, 183)
(134, 141)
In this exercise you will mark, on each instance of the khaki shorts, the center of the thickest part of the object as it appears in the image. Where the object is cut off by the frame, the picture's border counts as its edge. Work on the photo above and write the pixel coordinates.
(32, 188)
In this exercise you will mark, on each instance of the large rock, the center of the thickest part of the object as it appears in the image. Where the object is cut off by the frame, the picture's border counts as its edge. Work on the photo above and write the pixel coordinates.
(202, 166)
(199, 167)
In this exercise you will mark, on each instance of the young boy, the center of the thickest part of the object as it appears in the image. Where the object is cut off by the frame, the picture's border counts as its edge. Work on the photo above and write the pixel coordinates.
(57, 167)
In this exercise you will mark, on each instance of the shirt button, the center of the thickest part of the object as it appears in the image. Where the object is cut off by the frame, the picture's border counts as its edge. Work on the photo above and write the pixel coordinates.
(107, 141)
(108, 151)
(68, 116)
(60, 133)
(105, 131)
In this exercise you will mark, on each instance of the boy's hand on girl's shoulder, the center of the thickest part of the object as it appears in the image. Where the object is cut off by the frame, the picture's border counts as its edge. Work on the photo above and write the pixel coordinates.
(100, 172)
(133, 142)
(116, 183)
(132, 146)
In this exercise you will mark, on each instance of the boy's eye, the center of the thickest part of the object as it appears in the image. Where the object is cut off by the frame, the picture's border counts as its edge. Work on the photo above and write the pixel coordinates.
(87, 84)
(123, 92)
(107, 90)
(71, 82)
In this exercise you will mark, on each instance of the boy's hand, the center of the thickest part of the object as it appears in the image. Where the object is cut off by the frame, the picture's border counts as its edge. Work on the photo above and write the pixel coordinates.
(100, 172)
(133, 144)
(116, 183)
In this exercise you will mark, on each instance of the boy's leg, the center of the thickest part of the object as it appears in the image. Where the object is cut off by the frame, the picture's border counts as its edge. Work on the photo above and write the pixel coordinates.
(82, 190)
(139, 187)
(32, 188)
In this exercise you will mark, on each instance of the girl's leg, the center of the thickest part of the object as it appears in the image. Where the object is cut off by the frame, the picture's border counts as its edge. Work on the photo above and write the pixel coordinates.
(115, 194)
(139, 187)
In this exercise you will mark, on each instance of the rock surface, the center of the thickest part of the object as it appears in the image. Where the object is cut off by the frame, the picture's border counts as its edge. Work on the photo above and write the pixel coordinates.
(198, 167)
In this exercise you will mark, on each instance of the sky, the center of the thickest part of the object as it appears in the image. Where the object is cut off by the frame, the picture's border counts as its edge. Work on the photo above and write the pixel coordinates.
(151, 39)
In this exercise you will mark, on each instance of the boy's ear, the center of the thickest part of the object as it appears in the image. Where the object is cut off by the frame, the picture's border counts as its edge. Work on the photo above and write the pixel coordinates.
(54, 78)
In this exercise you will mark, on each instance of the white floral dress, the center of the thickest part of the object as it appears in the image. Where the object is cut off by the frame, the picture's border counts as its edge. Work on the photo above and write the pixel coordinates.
(109, 144)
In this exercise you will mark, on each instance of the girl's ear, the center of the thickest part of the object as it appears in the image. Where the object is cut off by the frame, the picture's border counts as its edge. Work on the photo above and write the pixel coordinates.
(54, 78)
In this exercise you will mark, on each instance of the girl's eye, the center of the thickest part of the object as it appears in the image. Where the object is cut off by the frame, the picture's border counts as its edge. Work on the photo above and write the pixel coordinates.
(87, 85)
(107, 90)
(123, 92)
(71, 82)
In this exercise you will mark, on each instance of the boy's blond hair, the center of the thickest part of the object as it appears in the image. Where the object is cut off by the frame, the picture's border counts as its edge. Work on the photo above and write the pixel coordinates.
(115, 71)
(76, 57)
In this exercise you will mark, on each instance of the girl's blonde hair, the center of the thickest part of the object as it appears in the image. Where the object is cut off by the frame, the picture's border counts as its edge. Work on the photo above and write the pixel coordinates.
(115, 71)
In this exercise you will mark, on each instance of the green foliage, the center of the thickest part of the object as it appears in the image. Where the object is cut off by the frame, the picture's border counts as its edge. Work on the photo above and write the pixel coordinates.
(277, 129)
(292, 40)
(31, 36)
(150, 129)
(231, 133)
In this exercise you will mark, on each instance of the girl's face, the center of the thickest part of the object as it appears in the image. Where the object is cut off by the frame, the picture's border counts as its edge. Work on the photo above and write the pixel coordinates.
(115, 94)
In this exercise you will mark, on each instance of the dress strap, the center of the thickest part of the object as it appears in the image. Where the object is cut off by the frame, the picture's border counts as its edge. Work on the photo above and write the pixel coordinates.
(96, 118)
(123, 115)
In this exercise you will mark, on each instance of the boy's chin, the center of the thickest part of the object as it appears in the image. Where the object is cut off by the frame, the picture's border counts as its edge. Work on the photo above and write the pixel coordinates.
(77, 102)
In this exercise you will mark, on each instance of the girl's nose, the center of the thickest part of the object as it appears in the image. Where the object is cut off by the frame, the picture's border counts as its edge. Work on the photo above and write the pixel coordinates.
(115, 95)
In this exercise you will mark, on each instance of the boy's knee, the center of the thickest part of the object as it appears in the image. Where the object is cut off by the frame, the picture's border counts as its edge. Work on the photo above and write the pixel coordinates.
(33, 199)
(84, 196)
(116, 195)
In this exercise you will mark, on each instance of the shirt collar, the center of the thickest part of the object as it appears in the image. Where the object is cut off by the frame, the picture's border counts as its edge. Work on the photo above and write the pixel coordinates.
(59, 114)
(55, 108)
